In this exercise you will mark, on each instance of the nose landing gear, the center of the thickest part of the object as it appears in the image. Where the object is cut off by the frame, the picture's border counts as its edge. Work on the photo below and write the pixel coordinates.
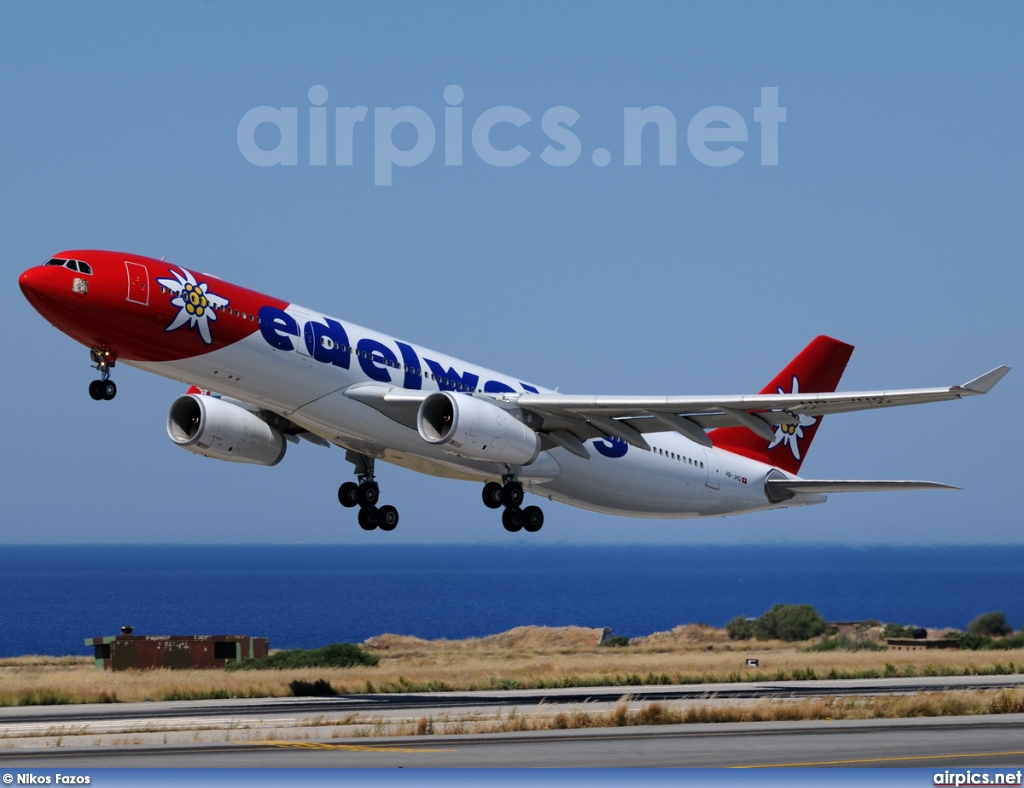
(510, 495)
(103, 360)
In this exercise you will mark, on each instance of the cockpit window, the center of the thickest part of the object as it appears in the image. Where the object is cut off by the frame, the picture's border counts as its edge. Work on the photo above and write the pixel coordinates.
(73, 265)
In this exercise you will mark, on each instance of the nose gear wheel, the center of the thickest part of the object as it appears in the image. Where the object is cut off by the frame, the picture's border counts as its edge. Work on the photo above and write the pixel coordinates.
(102, 360)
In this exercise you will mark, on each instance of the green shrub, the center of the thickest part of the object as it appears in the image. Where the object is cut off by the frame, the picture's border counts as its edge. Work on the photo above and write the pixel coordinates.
(990, 625)
(789, 623)
(740, 628)
(844, 643)
(616, 640)
(1010, 642)
(971, 642)
(898, 631)
(337, 655)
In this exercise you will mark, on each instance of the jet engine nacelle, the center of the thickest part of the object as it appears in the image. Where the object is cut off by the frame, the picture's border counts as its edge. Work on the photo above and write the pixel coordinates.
(476, 428)
(214, 428)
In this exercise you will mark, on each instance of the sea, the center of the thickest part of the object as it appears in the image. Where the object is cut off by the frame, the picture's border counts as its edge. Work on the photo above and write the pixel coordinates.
(307, 596)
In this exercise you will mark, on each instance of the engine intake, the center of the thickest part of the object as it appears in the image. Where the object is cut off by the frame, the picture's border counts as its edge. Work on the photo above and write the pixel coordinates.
(214, 428)
(476, 428)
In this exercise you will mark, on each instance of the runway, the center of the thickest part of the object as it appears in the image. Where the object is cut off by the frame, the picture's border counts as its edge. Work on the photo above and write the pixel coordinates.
(936, 743)
(347, 731)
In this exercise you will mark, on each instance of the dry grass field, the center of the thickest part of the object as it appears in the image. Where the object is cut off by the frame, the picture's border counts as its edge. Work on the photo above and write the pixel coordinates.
(526, 657)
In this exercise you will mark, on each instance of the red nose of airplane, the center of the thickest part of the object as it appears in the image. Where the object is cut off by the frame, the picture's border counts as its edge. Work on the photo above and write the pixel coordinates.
(37, 284)
(50, 289)
(29, 282)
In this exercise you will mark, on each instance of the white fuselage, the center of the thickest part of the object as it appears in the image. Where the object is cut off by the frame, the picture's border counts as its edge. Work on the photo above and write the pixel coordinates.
(273, 369)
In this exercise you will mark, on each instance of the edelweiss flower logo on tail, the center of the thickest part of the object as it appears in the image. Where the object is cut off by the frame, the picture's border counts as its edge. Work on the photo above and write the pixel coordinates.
(790, 434)
(197, 304)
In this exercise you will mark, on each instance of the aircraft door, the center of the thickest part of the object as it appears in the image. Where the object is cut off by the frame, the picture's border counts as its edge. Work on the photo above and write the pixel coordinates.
(713, 468)
(138, 283)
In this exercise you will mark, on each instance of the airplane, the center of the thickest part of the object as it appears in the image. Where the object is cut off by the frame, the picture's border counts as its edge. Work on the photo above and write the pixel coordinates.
(263, 373)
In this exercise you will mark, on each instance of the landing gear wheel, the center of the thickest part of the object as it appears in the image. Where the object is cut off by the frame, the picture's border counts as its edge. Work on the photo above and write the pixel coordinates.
(387, 518)
(512, 495)
(533, 519)
(368, 519)
(348, 495)
(512, 519)
(493, 495)
(369, 494)
(103, 360)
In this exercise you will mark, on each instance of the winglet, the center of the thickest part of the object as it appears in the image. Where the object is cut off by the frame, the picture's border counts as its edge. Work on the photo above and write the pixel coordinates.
(983, 383)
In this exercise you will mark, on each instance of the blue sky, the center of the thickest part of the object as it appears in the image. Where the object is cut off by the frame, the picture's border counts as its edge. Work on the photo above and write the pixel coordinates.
(892, 221)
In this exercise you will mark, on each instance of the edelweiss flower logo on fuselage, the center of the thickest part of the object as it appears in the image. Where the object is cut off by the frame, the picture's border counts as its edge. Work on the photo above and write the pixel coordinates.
(197, 305)
(790, 434)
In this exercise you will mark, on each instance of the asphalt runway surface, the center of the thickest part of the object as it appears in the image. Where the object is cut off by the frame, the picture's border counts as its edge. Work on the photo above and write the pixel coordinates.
(936, 743)
(295, 732)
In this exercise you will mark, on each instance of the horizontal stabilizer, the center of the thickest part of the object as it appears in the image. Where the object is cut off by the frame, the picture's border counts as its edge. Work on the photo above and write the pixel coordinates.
(780, 487)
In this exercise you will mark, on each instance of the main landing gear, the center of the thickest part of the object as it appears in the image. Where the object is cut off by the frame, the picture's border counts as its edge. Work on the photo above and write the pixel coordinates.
(103, 360)
(365, 495)
(510, 495)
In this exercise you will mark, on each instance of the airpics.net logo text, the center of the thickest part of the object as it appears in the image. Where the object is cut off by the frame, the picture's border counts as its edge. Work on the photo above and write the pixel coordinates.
(715, 136)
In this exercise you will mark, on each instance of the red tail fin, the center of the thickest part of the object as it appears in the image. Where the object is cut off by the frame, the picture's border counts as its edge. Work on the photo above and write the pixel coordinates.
(818, 368)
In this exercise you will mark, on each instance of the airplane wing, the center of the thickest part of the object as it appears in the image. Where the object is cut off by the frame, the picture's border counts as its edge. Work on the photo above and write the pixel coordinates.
(567, 416)
(568, 420)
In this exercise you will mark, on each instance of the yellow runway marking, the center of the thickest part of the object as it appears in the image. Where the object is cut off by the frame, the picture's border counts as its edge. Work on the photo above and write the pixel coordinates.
(880, 760)
(346, 747)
